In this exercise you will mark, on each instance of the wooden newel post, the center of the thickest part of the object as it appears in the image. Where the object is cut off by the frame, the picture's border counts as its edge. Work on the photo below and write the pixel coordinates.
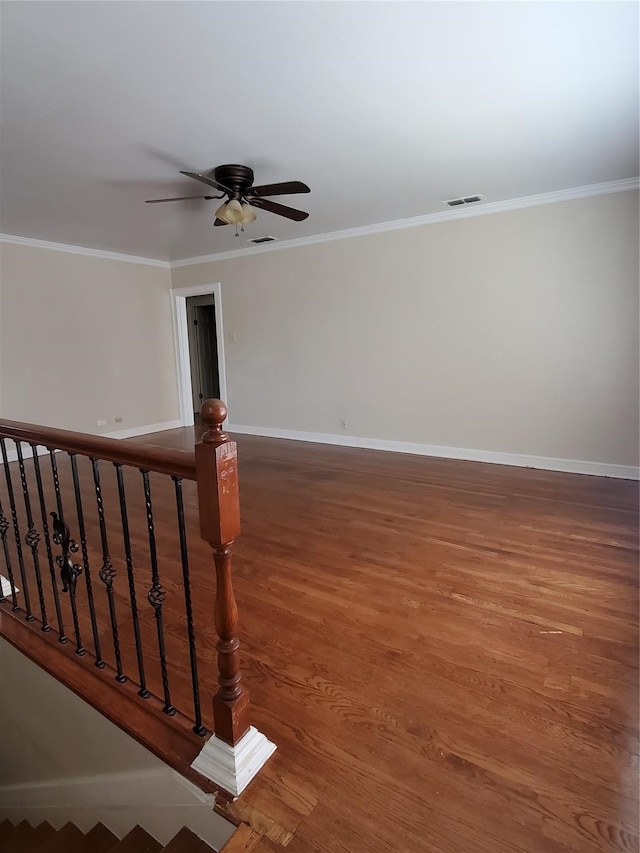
(219, 506)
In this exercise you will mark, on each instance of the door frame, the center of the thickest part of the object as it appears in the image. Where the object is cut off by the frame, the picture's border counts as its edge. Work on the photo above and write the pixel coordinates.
(181, 340)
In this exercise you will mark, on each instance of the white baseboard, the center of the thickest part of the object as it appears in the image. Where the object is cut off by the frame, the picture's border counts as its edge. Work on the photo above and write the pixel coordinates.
(161, 787)
(27, 452)
(141, 430)
(571, 466)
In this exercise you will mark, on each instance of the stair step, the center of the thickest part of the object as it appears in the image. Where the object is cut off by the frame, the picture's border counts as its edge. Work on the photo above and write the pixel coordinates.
(187, 842)
(6, 831)
(43, 832)
(137, 841)
(97, 840)
(19, 839)
(60, 842)
(6, 828)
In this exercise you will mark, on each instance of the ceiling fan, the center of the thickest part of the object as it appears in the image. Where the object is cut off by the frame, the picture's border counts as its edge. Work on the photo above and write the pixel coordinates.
(236, 184)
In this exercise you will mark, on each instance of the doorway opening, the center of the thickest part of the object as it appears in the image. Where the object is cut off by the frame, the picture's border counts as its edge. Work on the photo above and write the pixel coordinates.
(203, 349)
(183, 333)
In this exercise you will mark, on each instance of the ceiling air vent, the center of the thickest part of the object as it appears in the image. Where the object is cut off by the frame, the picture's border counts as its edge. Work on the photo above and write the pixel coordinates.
(258, 240)
(468, 199)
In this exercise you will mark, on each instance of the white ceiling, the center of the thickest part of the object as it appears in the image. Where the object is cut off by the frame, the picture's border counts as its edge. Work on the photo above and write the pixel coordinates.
(383, 108)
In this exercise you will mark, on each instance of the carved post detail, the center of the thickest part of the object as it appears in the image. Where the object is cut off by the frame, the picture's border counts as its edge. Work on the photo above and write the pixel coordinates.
(219, 506)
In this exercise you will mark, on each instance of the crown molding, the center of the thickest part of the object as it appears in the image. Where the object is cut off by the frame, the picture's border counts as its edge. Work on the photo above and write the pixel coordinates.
(426, 219)
(82, 250)
(347, 233)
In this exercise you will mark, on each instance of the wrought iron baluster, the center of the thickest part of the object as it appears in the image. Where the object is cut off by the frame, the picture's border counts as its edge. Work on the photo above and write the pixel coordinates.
(199, 729)
(132, 589)
(32, 538)
(107, 572)
(85, 560)
(69, 570)
(16, 531)
(4, 529)
(47, 541)
(157, 594)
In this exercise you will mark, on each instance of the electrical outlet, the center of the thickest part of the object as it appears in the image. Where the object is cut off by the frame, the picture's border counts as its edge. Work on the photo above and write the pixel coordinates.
(343, 423)
(118, 420)
(102, 422)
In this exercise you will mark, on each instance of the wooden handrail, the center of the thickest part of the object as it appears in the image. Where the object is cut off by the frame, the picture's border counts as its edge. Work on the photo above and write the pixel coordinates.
(179, 463)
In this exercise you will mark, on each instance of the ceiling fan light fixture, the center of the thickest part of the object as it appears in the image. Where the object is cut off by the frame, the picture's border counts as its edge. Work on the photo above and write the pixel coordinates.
(235, 213)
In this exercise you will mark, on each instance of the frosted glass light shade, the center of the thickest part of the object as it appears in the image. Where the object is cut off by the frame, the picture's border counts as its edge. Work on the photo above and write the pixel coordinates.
(231, 212)
(221, 212)
(234, 212)
(248, 214)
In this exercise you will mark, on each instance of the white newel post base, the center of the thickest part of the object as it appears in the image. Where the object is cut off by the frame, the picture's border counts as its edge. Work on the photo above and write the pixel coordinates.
(5, 586)
(233, 767)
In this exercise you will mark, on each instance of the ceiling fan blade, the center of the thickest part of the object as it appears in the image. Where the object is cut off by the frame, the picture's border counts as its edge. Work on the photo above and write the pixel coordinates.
(207, 180)
(220, 222)
(286, 188)
(179, 198)
(280, 209)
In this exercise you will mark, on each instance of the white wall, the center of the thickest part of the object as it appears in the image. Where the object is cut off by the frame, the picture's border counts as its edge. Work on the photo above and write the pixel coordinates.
(83, 339)
(513, 332)
(61, 760)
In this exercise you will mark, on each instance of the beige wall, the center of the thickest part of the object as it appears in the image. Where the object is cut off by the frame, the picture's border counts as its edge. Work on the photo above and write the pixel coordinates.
(511, 332)
(84, 338)
(514, 332)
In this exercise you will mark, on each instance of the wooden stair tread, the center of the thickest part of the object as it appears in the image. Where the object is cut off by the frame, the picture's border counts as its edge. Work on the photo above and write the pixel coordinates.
(43, 832)
(137, 841)
(19, 838)
(61, 841)
(6, 834)
(6, 829)
(97, 840)
(187, 841)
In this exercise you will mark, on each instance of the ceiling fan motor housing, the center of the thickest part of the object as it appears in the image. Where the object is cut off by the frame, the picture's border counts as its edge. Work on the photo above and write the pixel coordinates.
(237, 178)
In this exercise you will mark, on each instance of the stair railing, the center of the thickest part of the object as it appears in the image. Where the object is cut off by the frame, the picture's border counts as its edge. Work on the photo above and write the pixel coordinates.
(47, 555)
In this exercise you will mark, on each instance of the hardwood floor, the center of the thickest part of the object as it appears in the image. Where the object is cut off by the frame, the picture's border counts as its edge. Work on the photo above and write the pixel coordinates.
(446, 653)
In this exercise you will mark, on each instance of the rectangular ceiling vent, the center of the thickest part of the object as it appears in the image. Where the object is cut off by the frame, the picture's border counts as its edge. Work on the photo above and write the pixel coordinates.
(258, 240)
(468, 199)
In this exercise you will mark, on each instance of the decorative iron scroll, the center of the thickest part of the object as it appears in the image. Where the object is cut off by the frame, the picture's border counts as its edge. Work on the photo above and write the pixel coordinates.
(69, 571)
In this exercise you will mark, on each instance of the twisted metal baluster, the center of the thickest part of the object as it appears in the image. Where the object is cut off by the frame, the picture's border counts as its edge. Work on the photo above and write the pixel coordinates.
(132, 589)
(199, 729)
(47, 540)
(16, 531)
(33, 537)
(157, 594)
(107, 572)
(85, 559)
(69, 570)
(4, 527)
